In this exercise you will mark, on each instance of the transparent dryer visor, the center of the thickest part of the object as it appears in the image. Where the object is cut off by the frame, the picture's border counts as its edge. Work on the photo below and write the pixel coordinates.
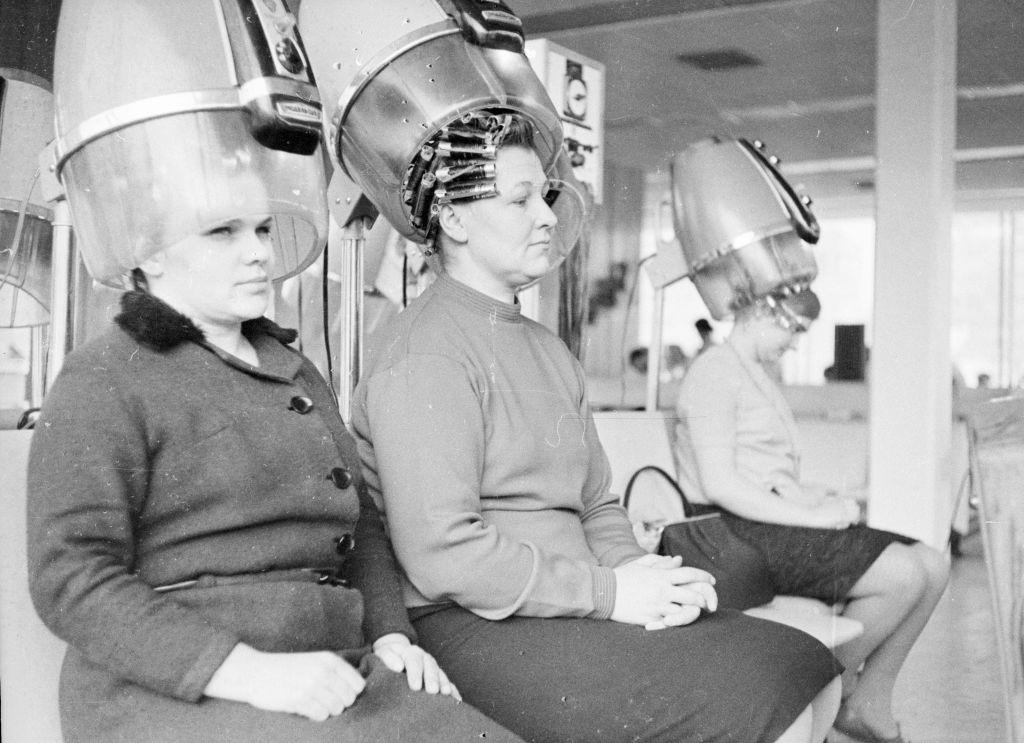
(569, 206)
(140, 189)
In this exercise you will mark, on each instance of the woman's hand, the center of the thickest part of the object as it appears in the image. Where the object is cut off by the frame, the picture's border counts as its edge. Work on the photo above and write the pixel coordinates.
(838, 513)
(657, 592)
(420, 668)
(315, 685)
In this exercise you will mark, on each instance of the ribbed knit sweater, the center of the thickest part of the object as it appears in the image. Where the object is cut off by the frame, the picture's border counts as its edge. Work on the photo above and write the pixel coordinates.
(477, 440)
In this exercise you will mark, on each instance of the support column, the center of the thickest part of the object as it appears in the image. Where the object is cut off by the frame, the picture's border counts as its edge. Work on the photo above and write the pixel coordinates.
(911, 370)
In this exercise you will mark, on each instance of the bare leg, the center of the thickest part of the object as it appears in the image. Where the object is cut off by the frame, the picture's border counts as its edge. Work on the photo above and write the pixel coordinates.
(814, 722)
(824, 709)
(800, 730)
(893, 600)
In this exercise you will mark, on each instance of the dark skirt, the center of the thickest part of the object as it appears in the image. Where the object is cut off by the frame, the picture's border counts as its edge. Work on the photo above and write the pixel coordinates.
(726, 677)
(819, 563)
(97, 707)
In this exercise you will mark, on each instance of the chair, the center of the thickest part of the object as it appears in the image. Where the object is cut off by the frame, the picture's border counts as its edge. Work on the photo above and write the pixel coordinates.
(633, 440)
(996, 441)
(30, 656)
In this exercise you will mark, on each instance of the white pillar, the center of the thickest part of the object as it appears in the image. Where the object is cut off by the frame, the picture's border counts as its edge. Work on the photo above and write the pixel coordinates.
(910, 354)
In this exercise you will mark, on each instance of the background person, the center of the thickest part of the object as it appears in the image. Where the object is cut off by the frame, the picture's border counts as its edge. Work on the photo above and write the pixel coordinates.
(737, 447)
(523, 575)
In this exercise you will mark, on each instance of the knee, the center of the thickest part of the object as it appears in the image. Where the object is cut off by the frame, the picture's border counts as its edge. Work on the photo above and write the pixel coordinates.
(906, 574)
(935, 566)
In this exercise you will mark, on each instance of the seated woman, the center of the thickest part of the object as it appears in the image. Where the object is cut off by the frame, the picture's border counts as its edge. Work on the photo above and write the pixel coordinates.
(196, 516)
(738, 452)
(522, 573)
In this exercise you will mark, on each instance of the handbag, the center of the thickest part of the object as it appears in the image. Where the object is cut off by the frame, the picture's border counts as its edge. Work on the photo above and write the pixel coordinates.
(705, 541)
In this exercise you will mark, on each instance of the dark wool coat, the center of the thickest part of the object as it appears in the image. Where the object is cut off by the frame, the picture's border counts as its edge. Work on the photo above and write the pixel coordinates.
(159, 459)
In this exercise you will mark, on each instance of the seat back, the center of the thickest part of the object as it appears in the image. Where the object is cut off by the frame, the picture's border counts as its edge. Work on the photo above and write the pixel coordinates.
(30, 656)
(996, 440)
(634, 439)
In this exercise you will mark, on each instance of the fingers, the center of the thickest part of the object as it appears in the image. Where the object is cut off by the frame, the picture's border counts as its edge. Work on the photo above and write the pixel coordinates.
(686, 596)
(350, 677)
(391, 658)
(448, 688)
(659, 561)
(415, 668)
(681, 576)
(683, 615)
(678, 616)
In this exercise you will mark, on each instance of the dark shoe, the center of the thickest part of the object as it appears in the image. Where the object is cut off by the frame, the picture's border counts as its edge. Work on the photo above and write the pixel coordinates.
(856, 729)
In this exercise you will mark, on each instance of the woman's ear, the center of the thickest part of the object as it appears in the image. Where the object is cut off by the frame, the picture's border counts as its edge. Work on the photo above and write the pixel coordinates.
(452, 223)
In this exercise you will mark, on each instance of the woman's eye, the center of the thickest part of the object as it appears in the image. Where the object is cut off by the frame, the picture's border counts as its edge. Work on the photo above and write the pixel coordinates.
(222, 231)
(263, 230)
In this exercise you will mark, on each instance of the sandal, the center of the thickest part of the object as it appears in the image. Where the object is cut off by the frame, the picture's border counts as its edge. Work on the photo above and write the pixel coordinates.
(856, 729)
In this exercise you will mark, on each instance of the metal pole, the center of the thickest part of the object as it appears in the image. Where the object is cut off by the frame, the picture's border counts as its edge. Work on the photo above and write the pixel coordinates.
(654, 350)
(61, 303)
(352, 244)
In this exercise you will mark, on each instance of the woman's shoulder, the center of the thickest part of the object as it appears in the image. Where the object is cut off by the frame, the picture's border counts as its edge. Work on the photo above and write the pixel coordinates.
(428, 328)
(713, 362)
(103, 354)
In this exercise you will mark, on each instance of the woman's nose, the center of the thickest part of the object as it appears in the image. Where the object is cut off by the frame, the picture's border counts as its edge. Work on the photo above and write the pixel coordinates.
(546, 216)
(258, 249)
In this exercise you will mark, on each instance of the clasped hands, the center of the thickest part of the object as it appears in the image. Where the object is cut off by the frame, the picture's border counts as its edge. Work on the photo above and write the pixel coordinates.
(321, 684)
(657, 592)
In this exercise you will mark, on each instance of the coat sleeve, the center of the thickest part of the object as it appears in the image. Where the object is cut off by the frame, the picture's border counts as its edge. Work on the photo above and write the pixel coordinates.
(88, 470)
(424, 447)
(372, 567)
(374, 571)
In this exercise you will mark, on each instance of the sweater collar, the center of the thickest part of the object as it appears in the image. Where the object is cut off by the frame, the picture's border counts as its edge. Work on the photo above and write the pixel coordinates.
(478, 301)
(155, 324)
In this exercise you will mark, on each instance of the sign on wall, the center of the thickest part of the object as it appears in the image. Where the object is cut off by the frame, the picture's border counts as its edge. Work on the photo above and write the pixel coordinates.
(576, 86)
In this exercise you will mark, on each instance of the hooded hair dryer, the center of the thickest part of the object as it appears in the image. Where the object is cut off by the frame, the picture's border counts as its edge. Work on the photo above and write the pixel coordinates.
(172, 116)
(743, 230)
(405, 86)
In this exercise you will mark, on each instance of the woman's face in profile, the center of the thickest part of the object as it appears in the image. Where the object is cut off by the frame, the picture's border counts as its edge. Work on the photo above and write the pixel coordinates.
(775, 338)
(220, 276)
(509, 236)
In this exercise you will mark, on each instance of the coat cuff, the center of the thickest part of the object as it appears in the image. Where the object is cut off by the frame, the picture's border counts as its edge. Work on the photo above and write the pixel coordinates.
(193, 683)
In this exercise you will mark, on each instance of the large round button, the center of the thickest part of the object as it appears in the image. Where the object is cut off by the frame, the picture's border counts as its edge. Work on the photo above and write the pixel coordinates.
(341, 477)
(345, 543)
(300, 404)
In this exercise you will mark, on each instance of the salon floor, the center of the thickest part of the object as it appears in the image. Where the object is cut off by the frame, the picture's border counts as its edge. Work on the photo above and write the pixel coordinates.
(949, 690)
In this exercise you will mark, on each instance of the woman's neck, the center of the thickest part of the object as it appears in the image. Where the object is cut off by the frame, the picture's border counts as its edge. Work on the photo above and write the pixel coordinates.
(481, 282)
(229, 338)
(744, 343)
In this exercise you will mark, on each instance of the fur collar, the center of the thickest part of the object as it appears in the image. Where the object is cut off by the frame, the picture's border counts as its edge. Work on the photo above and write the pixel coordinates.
(154, 323)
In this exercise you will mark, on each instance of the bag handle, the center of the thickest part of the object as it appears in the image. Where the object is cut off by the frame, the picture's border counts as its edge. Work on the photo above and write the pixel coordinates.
(687, 508)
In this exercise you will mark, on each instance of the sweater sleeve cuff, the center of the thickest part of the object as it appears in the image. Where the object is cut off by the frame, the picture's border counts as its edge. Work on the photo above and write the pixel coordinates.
(604, 592)
(206, 664)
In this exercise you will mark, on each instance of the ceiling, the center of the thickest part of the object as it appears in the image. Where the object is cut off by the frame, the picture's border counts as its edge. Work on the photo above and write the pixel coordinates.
(811, 98)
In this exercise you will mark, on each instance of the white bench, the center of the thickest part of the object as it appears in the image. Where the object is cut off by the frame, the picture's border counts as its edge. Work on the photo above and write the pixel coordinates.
(635, 439)
(30, 656)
